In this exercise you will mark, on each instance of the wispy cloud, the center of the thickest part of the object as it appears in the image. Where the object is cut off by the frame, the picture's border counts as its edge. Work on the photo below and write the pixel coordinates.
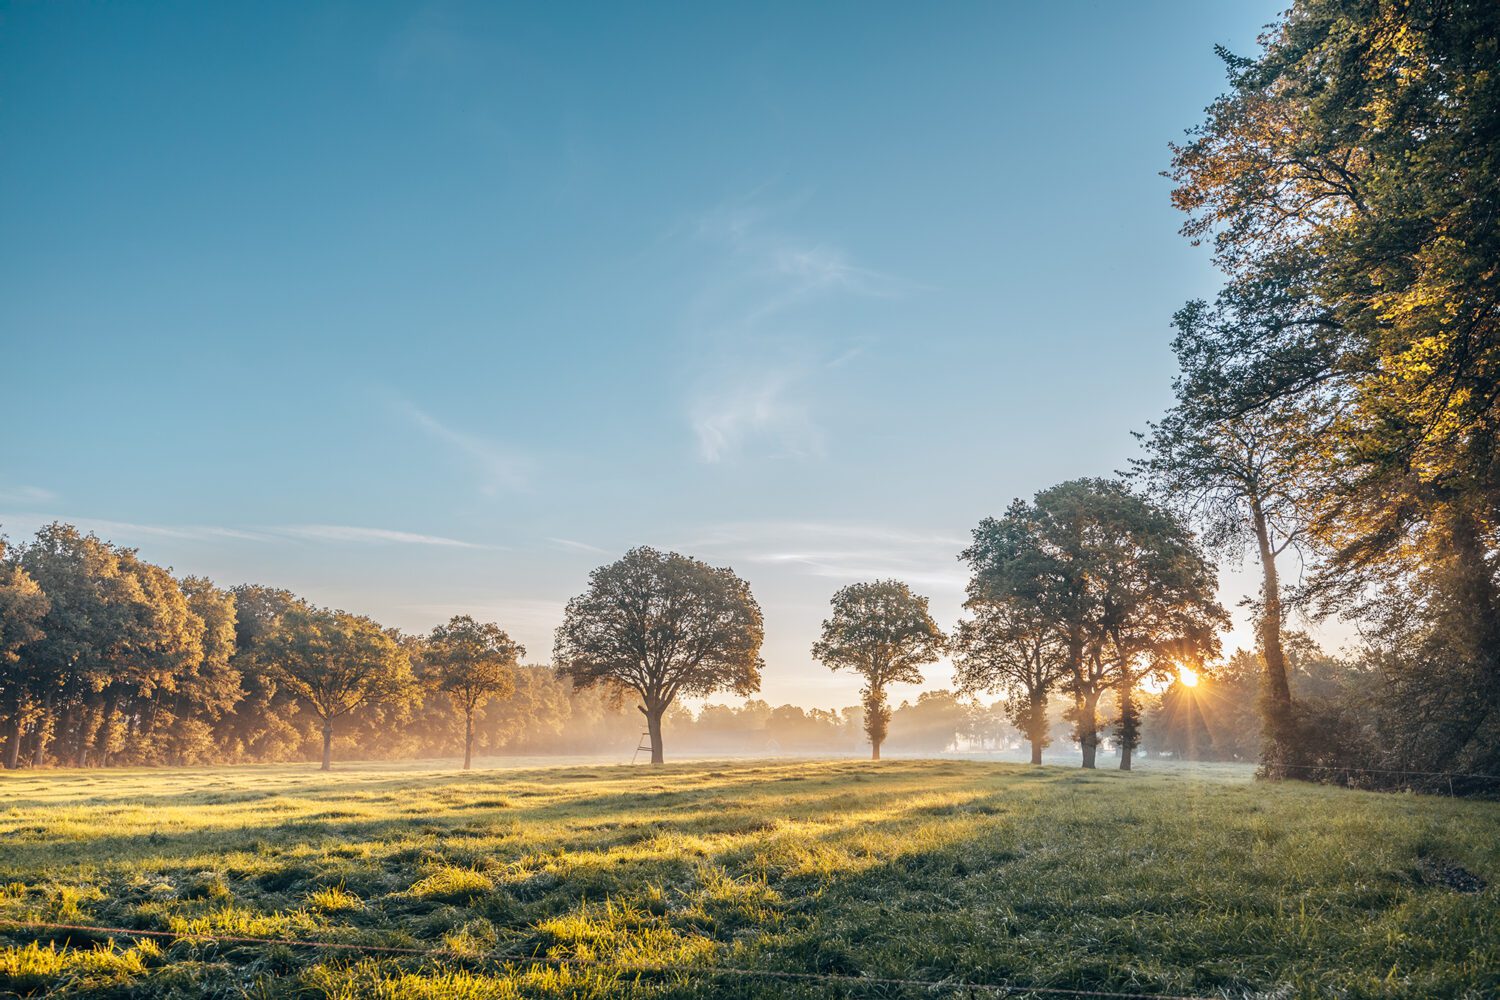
(498, 467)
(847, 552)
(26, 494)
(767, 404)
(762, 340)
(368, 536)
(131, 531)
(574, 546)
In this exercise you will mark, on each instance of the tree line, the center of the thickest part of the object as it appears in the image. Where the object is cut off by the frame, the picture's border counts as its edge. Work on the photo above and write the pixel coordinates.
(107, 659)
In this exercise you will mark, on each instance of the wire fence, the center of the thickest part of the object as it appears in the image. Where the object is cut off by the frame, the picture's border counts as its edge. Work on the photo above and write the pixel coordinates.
(940, 986)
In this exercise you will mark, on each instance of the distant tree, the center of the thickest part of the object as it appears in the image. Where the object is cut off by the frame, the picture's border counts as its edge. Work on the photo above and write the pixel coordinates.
(337, 662)
(474, 662)
(1121, 582)
(883, 632)
(542, 714)
(792, 728)
(662, 625)
(1008, 647)
(931, 724)
(23, 607)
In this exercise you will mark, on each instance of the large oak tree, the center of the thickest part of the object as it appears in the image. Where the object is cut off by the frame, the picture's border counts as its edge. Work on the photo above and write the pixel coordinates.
(662, 625)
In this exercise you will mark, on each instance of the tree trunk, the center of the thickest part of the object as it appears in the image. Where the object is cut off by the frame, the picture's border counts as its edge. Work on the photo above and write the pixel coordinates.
(327, 745)
(1474, 587)
(1129, 725)
(87, 727)
(1088, 728)
(468, 737)
(653, 726)
(43, 731)
(13, 742)
(1036, 725)
(106, 734)
(1278, 697)
(874, 750)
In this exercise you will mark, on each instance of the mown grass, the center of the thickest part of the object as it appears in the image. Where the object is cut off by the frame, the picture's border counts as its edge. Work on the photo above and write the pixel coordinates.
(634, 882)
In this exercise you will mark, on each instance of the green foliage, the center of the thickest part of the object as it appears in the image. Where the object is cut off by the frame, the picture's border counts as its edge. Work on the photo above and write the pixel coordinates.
(1348, 180)
(472, 661)
(641, 880)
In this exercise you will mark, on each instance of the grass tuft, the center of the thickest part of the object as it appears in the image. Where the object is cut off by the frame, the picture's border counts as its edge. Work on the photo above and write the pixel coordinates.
(451, 884)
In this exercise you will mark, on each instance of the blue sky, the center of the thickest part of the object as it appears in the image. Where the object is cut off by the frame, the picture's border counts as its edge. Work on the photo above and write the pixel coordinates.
(427, 309)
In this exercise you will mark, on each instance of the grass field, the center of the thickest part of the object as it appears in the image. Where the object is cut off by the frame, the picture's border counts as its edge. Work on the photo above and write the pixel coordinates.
(634, 882)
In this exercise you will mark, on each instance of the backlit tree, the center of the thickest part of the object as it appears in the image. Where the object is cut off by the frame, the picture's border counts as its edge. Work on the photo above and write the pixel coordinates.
(883, 632)
(662, 625)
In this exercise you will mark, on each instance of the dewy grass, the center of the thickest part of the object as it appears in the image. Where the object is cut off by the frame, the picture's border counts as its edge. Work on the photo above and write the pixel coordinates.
(1183, 881)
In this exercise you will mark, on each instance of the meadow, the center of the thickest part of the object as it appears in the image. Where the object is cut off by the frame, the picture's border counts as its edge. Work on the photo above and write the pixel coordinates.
(708, 878)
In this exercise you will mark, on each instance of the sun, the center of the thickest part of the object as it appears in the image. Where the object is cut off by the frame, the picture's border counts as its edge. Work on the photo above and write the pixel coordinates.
(1187, 677)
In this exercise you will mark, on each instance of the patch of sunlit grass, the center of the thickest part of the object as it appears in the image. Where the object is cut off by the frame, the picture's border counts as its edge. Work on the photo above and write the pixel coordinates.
(334, 899)
(452, 884)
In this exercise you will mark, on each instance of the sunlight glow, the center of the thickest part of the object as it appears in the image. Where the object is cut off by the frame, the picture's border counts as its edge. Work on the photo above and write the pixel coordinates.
(1187, 676)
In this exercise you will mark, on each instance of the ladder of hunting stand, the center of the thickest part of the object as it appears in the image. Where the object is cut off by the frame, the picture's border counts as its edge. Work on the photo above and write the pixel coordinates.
(645, 744)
